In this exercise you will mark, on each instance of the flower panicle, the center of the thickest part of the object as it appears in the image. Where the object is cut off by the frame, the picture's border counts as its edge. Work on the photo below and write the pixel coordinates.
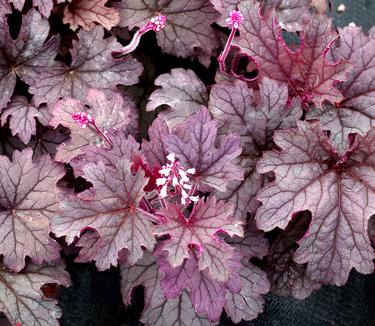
(173, 174)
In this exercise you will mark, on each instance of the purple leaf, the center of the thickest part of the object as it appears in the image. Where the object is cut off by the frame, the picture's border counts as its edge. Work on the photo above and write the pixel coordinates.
(248, 303)
(86, 13)
(307, 71)
(122, 146)
(290, 279)
(252, 244)
(200, 230)
(91, 245)
(178, 311)
(27, 54)
(144, 272)
(22, 116)
(194, 143)
(290, 13)
(21, 297)
(109, 114)
(158, 311)
(182, 91)
(111, 208)
(92, 67)
(338, 190)
(254, 116)
(187, 33)
(355, 112)
(207, 294)
(155, 150)
(28, 197)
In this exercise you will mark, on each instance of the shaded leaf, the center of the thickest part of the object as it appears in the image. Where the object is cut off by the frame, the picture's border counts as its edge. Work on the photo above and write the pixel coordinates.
(182, 91)
(86, 13)
(92, 67)
(21, 297)
(28, 201)
(188, 32)
(27, 54)
(22, 114)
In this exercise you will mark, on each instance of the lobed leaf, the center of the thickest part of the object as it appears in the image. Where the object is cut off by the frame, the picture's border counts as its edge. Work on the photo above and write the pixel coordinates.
(109, 114)
(188, 32)
(307, 71)
(337, 189)
(21, 297)
(200, 230)
(182, 91)
(112, 209)
(86, 13)
(355, 113)
(28, 201)
(194, 143)
(92, 67)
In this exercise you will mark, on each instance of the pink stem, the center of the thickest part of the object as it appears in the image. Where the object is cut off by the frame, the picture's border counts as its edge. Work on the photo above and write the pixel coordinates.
(223, 55)
(102, 134)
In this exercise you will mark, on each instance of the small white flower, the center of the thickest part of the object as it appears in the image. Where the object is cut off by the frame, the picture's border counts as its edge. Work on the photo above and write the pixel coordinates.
(161, 181)
(190, 171)
(163, 191)
(171, 157)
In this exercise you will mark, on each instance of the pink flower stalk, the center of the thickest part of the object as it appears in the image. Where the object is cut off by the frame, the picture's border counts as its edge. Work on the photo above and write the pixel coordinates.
(84, 119)
(234, 21)
(155, 24)
(174, 174)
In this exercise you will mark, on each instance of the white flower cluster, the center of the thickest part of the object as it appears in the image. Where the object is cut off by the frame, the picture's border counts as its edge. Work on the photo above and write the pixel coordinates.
(174, 174)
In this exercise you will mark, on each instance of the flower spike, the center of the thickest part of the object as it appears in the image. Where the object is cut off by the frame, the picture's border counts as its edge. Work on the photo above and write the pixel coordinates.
(84, 119)
(234, 21)
(155, 24)
(173, 174)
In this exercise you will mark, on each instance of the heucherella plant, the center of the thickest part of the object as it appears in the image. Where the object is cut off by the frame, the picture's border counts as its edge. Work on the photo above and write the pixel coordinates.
(261, 182)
